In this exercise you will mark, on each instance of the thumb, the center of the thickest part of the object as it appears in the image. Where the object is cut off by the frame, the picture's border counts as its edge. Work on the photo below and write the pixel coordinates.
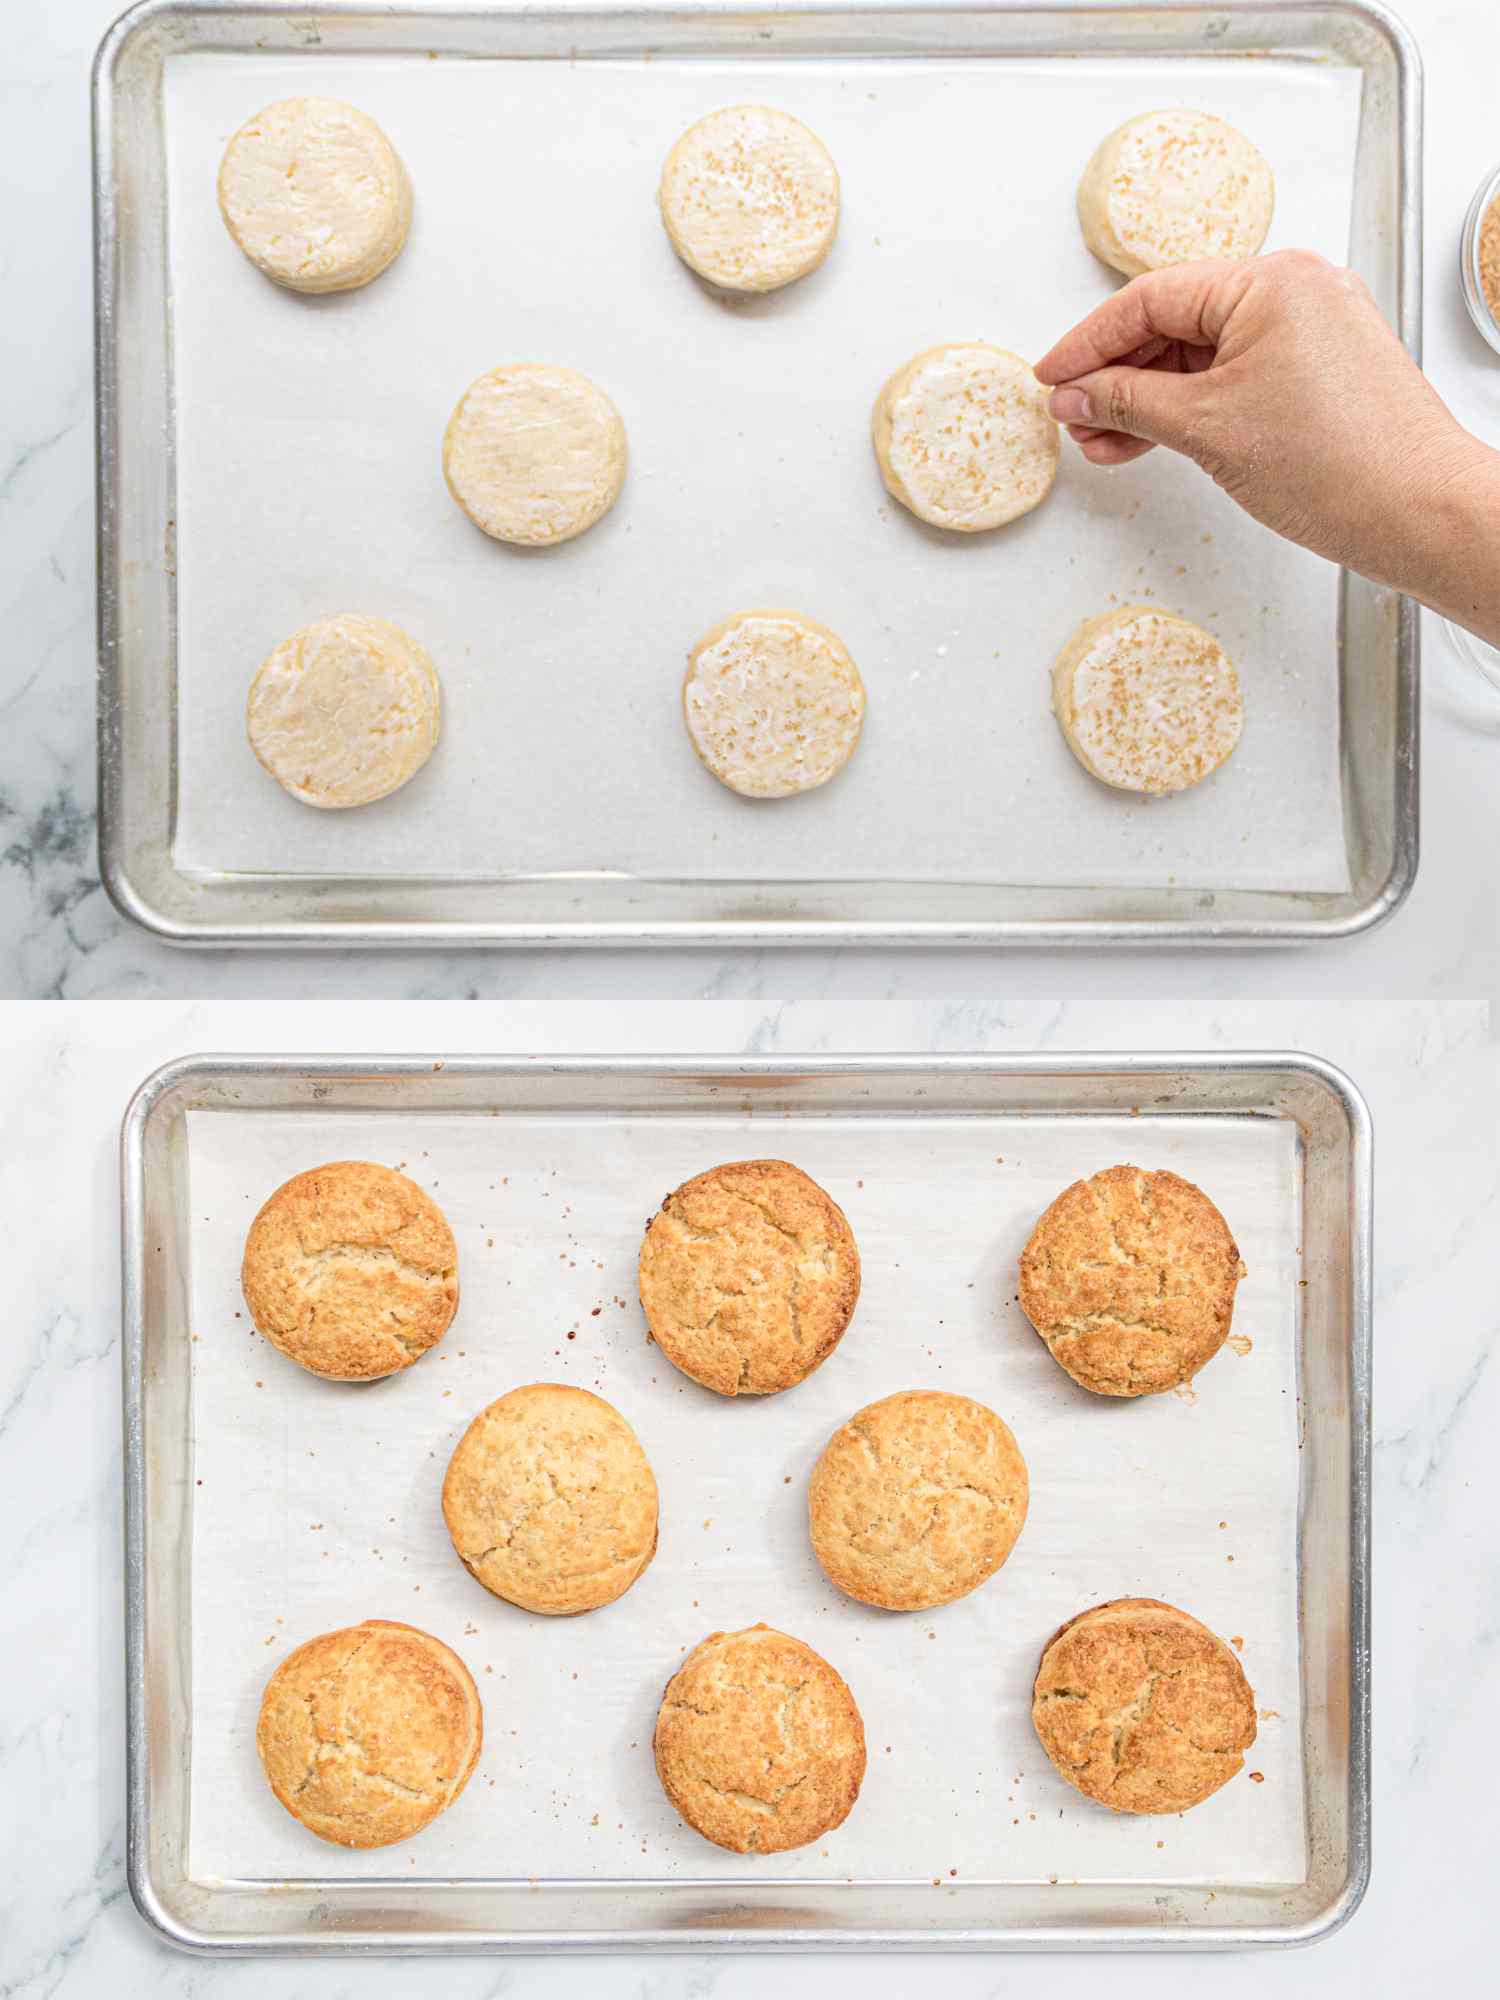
(1141, 402)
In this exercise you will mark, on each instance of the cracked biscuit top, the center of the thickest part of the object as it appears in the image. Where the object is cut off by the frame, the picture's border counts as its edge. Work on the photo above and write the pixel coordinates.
(550, 1500)
(1142, 1708)
(366, 1735)
(749, 1276)
(917, 1500)
(758, 1742)
(1129, 1277)
(351, 1270)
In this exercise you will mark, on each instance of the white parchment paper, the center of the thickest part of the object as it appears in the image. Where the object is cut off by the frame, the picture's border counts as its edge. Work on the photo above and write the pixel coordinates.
(316, 1505)
(309, 481)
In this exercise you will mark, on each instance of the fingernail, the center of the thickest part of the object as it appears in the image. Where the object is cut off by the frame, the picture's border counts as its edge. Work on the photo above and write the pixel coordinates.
(1070, 406)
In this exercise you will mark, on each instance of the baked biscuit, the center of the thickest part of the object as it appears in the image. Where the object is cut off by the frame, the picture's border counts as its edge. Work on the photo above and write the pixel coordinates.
(1129, 1277)
(345, 711)
(550, 1500)
(750, 198)
(351, 1270)
(773, 703)
(1172, 186)
(366, 1735)
(758, 1742)
(534, 454)
(1141, 1707)
(1147, 701)
(315, 195)
(749, 1276)
(964, 438)
(917, 1500)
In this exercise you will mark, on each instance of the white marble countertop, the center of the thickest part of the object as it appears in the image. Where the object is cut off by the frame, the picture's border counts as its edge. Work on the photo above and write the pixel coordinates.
(58, 932)
(1430, 1074)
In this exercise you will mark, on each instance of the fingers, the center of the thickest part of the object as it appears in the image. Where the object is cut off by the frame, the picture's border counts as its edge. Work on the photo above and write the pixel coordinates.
(1186, 302)
(1138, 402)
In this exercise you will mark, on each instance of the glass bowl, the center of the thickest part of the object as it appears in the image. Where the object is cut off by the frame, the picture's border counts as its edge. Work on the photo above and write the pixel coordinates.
(1468, 262)
(1477, 652)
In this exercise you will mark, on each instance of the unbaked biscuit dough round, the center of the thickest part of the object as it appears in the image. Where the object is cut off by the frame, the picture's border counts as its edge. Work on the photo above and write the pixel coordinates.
(1147, 701)
(750, 198)
(773, 703)
(964, 437)
(1142, 1708)
(1171, 186)
(345, 711)
(550, 1500)
(315, 194)
(534, 453)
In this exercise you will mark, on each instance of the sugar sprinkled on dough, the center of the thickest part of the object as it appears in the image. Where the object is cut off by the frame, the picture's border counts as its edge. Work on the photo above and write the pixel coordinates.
(773, 703)
(1171, 186)
(964, 437)
(1147, 701)
(750, 198)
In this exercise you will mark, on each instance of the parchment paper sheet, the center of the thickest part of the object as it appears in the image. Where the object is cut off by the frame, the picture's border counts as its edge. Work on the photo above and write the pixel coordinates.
(316, 1505)
(309, 481)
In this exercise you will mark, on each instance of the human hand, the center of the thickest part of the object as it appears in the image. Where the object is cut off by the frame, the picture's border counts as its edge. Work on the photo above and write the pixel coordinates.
(1281, 379)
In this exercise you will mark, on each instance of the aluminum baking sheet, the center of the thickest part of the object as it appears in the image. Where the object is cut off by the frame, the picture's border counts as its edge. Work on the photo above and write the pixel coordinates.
(314, 1505)
(307, 480)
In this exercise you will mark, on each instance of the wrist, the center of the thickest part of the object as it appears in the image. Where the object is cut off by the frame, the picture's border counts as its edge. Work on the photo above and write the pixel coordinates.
(1450, 532)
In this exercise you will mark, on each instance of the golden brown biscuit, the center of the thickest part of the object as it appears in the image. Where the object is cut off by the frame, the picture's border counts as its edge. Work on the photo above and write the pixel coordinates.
(366, 1735)
(1129, 1277)
(351, 1270)
(758, 1742)
(917, 1500)
(550, 1500)
(749, 1276)
(1141, 1707)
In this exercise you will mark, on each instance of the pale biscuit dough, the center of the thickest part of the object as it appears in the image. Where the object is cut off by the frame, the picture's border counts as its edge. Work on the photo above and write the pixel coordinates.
(344, 712)
(351, 1270)
(750, 198)
(315, 195)
(917, 1500)
(551, 1501)
(366, 1735)
(1142, 1708)
(773, 703)
(759, 1744)
(1147, 701)
(1129, 1277)
(534, 453)
(964, 437)
(749, 1276)
(1172, 186)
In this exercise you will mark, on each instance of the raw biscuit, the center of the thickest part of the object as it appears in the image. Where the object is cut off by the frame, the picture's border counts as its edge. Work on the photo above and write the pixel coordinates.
(964, 437)
(351, 1270)
(345, 711)
(534, 454)
(917, 1500)
(367, 1734)
(749, 1275)
(315, 194)
(750, 198)
(773, 703)
(758, 1742)
(1141, 1707)
(1147, 702)
(1129, 1277)
(1171, 186)
(550, 1500)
